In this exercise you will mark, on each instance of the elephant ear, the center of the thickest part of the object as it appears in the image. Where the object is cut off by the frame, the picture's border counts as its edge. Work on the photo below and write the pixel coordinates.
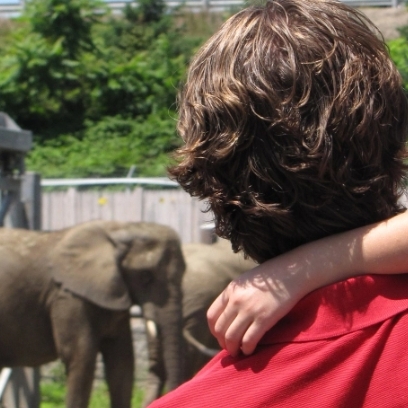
(85, 262)
(150, 245)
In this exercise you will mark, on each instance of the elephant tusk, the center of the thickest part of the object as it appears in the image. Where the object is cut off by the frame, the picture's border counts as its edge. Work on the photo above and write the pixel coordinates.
(151, 328)
(199, 346)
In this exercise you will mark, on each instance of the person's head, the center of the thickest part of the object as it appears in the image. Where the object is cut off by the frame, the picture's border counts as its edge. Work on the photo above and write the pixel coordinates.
(294, 121)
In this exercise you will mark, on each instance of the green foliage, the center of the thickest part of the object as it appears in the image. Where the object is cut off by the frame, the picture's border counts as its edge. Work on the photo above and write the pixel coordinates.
(69, 22)
(46, 75)
(53, 391)
(97, 90)
(53, 395)
(138, 86)
(108, 148)
(146, 54)
(7, 26)
(399, 54)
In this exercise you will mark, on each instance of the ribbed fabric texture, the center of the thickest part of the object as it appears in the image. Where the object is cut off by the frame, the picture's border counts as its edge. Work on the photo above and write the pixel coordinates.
(343, 346)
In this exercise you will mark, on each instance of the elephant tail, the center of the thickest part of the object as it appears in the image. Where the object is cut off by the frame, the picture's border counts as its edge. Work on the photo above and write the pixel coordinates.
(198, 345)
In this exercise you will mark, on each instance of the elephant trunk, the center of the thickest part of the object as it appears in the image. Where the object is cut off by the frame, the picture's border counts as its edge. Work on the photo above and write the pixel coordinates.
(165, 346)
(156, 375)
(170, 322)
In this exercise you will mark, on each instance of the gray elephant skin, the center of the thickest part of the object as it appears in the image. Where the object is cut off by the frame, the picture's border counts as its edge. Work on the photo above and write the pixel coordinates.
(66, 294)
(209, 269)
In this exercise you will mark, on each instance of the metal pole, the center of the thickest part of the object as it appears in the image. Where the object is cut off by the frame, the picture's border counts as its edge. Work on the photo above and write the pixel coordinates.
(6, 201)
(5, 375)
(19, 208)
(31, 198)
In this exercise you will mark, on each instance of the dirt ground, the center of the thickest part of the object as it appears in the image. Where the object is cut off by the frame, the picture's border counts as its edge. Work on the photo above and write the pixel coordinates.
(388, 19)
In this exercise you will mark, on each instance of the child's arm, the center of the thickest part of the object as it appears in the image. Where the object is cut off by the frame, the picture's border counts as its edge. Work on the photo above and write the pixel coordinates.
(254, 302)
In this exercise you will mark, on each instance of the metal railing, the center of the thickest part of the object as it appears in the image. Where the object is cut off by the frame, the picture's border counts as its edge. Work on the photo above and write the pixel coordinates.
(373, 3)
(152, 181)
(13, 8)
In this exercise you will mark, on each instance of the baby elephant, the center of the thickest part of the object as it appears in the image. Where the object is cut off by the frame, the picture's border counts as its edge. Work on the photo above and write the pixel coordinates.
(67, 294)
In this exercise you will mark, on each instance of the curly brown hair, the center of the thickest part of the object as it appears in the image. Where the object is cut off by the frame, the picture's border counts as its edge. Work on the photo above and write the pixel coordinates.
(294, 121)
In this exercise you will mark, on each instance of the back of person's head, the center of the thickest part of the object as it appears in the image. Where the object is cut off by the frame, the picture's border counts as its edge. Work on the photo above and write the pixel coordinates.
(294, 121)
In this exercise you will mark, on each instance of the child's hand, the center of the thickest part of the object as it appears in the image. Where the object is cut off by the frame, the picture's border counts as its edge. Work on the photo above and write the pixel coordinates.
(251, 305)
(254, 302)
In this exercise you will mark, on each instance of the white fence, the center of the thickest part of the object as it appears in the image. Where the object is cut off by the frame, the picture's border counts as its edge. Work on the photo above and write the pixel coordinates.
(172, 207)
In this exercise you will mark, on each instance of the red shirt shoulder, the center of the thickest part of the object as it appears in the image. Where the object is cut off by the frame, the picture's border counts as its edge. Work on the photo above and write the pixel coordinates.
(341, 346)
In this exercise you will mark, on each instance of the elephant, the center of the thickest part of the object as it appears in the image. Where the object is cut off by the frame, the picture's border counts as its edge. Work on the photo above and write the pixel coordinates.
(66, 294)
(209, 269)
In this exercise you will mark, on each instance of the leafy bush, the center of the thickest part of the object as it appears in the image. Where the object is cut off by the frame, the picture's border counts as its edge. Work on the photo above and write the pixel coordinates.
(46, 68)
(108, 148)
(399, 54)
(97, 90)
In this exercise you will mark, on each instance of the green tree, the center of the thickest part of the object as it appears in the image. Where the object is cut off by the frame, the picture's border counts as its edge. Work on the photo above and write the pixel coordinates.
(98, 90)
(69, 22)
(146, 54)
(45, 75)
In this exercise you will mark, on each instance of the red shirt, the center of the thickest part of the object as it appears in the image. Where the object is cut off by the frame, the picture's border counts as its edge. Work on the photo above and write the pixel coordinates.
(344, 345)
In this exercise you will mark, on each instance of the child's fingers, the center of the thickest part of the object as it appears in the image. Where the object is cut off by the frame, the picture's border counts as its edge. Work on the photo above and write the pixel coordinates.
(215, 311)
(235, 332)
(251, 337)
(223, 324)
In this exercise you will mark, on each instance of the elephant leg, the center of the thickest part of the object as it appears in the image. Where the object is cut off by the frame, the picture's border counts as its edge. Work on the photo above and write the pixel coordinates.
(156, 376)
(118, 359)
(77, 345)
